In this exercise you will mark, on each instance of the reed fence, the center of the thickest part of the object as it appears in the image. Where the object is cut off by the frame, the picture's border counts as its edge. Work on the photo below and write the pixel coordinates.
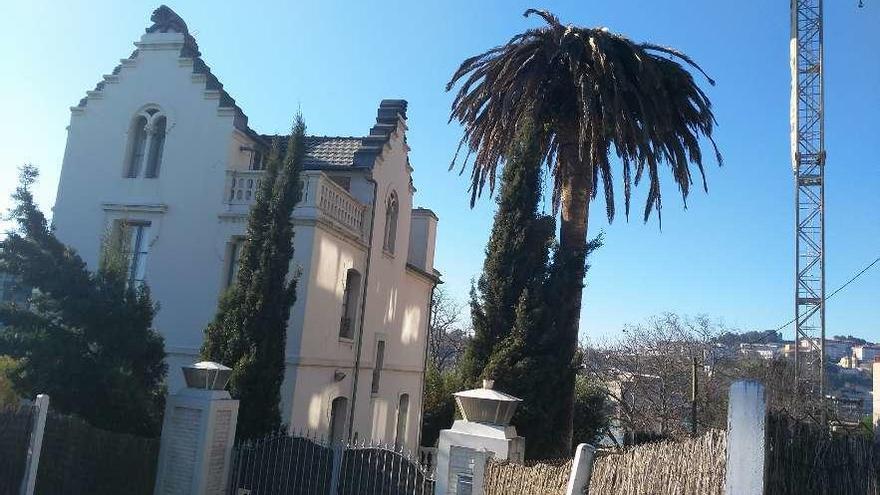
(686, 467)
(538, 478)
(79, 459)
(804, 458)
(15, 431)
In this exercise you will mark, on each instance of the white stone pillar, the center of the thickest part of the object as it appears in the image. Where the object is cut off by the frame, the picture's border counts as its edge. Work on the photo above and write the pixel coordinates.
(35, 445)
(198, 433)
(581, 470)
(875, 409)
(483, 433)
(746, 439)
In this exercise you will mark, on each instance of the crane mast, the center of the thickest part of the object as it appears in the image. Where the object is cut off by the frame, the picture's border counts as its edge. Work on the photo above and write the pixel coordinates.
(808, 162)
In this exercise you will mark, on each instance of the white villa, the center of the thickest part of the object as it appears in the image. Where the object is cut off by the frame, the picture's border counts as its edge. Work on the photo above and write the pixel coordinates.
(160, 146)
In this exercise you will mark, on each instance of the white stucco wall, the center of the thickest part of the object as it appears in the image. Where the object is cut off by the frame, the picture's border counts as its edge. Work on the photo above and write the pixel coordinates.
(182, 203)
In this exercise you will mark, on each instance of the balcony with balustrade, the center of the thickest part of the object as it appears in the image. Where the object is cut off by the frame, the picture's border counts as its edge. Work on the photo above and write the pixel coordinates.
(323, 200)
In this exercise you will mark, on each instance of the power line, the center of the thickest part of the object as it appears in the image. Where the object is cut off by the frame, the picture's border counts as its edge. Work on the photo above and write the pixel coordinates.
(763, 340)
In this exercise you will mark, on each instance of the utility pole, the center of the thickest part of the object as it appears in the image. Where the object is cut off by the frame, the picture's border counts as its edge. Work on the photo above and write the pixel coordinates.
(694, 396)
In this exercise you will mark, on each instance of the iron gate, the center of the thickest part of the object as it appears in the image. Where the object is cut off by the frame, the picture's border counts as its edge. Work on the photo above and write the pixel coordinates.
(281, 464)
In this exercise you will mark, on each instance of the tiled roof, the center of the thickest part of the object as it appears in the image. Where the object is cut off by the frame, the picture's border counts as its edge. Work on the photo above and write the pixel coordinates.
(327, 151)
(324, 151)
(349, 151)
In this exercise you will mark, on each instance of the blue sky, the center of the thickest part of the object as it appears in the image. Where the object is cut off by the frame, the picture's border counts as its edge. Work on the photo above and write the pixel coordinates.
(729, 255)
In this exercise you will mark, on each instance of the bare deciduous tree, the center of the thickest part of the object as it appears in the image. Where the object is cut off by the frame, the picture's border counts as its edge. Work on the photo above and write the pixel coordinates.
(448, 334)
(648, 374)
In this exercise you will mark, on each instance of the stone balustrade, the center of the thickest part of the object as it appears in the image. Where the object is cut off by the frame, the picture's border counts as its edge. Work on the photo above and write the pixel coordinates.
(322, 199)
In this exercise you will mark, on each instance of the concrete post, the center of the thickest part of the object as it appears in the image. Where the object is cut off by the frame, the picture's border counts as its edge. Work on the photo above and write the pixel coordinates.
(875, 409)
(35, 446)
(198, 433)
(746, 439)
(581, 470)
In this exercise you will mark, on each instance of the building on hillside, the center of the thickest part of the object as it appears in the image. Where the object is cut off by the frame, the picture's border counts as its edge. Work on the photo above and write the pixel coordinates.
(834, 349)
(849, 362)
(769, 350)
(866, 353)
(160, 147)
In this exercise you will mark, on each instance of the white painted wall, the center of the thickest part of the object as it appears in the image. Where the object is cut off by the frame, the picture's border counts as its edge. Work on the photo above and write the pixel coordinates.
(192, 227)
(182, 203)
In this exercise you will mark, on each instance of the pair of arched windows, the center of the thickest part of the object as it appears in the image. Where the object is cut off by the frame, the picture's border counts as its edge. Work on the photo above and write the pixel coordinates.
(146, 141)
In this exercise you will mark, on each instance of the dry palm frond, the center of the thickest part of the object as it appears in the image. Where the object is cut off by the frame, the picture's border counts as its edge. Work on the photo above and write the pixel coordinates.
(589, 88)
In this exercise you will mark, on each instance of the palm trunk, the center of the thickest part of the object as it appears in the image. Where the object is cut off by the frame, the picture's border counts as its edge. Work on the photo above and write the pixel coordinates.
(575, 206)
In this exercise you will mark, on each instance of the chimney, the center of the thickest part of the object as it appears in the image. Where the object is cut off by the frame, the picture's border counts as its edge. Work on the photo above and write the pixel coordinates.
(422, 236)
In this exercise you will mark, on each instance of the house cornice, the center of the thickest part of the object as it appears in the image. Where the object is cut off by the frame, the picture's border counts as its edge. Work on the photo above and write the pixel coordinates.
(135, 207)
(433, 277)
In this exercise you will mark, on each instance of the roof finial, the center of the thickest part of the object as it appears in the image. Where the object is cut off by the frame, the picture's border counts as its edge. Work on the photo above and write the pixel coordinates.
(165, 20)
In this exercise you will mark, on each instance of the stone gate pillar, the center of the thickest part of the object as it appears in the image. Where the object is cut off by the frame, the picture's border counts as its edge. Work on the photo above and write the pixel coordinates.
(484, 432)
(198, 433)
(875, 405)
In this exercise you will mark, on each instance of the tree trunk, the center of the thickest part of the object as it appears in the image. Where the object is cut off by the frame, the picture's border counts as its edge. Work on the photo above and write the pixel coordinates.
(575, 206)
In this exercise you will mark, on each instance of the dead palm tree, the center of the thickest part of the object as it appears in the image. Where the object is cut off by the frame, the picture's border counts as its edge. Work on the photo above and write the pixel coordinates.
(591, 93)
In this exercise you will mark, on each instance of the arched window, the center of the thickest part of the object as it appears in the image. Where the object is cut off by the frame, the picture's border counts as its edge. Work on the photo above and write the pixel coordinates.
(402, 420)
(350, 298)
(157, 144)
(146, 141)
(338, 413)
(137, 146)
(391, 211)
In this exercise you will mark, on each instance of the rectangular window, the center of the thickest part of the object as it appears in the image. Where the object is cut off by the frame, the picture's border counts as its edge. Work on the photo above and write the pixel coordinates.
(377, 368)
(135, 242)
(234, 259)
(257, 160)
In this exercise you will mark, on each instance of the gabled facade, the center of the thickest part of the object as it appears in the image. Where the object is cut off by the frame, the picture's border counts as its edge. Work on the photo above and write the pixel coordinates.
(161, 149)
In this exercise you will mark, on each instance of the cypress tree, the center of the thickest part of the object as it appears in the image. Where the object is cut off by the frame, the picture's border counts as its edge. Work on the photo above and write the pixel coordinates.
(85, 338)
(534, 364)
(249, 331)
(516, 304)
(516, 256)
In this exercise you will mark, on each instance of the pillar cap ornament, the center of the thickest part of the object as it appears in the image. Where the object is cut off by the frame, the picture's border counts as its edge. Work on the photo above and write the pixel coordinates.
(207, 375)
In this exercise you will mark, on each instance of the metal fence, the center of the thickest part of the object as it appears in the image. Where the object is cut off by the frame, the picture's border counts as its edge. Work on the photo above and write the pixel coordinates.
(15, 430)
(304, 464)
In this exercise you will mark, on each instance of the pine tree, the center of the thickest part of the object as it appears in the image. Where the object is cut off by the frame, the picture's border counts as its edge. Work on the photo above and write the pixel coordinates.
(516, 256)
(84, 338)
(249, 331)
